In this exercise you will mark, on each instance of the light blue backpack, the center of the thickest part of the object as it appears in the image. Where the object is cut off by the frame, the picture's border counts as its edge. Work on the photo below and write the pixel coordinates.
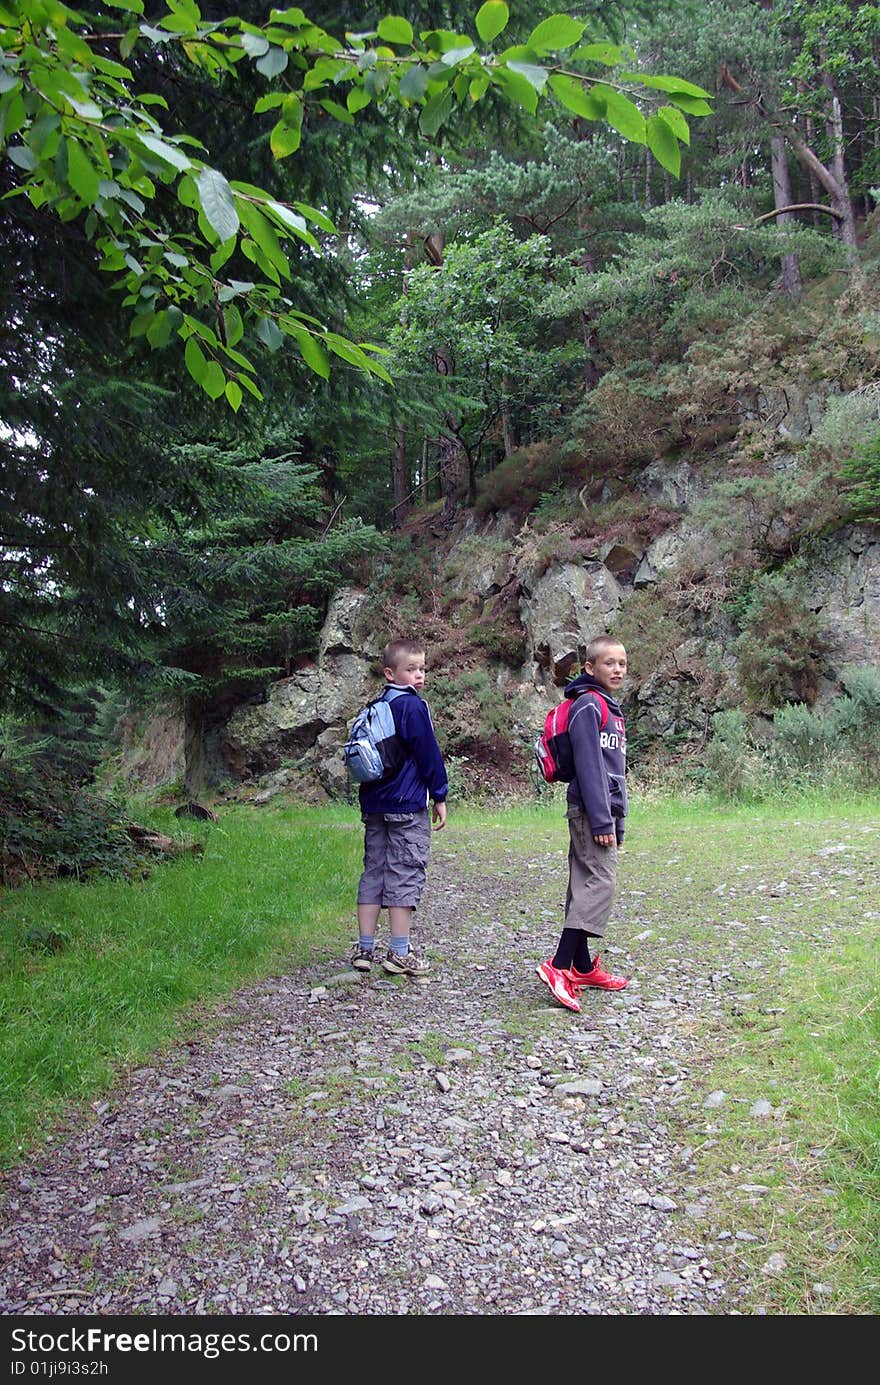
(373, 749)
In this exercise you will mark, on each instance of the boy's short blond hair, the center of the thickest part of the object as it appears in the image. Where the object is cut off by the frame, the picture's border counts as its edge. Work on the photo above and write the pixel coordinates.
(600, 642)
(395, 650)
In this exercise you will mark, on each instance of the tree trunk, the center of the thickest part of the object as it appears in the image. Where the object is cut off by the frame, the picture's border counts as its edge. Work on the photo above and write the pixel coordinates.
(840, 198)
(810, 140)
(649, 168)
(453, 469)
(508, 428)
(194, 748)
(400, 487)
(792, 282)
(838, 191)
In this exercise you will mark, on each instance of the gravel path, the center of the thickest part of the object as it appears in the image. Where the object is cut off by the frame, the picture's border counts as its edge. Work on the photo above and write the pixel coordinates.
(368, 1145)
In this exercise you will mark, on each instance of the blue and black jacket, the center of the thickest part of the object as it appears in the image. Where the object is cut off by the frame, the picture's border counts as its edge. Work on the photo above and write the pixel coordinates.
(422, 776)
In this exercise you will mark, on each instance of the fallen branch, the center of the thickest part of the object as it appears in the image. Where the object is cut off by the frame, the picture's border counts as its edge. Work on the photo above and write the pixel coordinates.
(158, 842)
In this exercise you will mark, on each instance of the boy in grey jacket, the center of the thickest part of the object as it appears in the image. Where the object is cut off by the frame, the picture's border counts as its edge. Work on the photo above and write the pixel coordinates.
(597, 808)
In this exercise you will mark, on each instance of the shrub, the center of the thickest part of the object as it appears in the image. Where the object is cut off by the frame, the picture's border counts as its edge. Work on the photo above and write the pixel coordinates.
(733, 763)
(780, 647)
(53, 827)
(518, 482)
(863, 472)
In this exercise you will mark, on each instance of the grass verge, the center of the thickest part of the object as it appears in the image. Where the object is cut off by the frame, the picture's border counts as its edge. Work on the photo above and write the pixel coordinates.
(94, 977)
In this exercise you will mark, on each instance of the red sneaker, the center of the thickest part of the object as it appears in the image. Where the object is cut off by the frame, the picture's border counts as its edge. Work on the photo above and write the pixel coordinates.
(597, 977)
(559, 985)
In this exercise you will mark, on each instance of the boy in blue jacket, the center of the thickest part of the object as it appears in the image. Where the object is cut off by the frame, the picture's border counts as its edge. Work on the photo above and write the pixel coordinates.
(394, 809)
(597, 808)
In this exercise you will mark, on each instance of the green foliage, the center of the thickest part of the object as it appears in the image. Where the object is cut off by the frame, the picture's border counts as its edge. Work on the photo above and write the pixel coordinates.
(518, 482)
(780, 647)
(758, 520)
(669, 273)
(835, 748)
(50, 826)
(863, 472)
(470, 338)
(85, 142)
(468, 708)
(259, 573)
(649, 630)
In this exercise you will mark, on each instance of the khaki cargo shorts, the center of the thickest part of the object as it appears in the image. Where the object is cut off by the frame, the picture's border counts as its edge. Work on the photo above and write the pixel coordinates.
(396, 849)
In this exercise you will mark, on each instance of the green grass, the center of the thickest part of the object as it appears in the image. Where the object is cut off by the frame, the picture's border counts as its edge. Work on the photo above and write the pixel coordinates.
(134, 962)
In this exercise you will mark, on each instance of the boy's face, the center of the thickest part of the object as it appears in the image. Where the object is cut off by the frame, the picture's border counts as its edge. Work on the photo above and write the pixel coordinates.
(409, 672)
(609, 667)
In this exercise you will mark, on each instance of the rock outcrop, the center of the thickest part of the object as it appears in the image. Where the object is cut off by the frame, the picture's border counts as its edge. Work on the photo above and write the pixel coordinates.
(514, 606)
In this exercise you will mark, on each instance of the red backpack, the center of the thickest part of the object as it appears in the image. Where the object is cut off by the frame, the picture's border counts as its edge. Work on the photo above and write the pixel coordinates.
(553, 746)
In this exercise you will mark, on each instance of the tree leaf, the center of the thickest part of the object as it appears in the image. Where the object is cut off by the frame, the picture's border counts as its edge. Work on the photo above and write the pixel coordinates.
(159, 331)
(357, 99)
(492, 19)
(285, 139)
(319, 218)
(556, 32)
(263, 233)
(693, 105)
(437, 110)
(517, 88)
(414, 83)
(534, 75)
(273, 63)
(311, 351)
(270, 101)
(213, 381)
(234, 394)
(393, 29)
(622, 114)
(233, 324)
(609, 54)
(218, 203)
(668, 84)
(255, 45)
(250, 386)
(269, 333)
(81, 173)
(676, 122)
(453, 56)
(663, 144)
(195, 360)
(338, 112)
(170, 153)
(577, 98)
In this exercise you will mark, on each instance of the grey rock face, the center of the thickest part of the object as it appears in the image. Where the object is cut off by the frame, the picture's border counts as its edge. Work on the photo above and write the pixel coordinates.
(796, 407)
(845, 591)
(564, 608)
(673, 484)
(669, 552)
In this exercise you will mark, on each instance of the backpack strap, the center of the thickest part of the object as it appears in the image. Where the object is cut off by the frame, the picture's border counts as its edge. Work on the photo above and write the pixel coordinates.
(603, 707)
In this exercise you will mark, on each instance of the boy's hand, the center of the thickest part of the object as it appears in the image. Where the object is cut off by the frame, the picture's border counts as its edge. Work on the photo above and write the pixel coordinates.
(438, 816)
(604, 838)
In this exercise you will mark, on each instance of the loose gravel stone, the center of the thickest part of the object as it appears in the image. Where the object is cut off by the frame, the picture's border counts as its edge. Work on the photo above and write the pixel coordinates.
(308, 1157)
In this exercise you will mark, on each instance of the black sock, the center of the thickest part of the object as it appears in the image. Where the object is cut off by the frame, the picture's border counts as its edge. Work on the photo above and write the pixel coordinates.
(582, 959)
(567, 948)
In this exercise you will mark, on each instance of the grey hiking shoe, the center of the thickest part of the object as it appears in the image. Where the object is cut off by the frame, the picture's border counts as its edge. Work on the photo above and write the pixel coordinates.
(361, 958)
(406, 965)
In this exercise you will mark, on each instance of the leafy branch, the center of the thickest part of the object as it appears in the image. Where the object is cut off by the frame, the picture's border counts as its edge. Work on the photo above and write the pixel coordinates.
(84, 143)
